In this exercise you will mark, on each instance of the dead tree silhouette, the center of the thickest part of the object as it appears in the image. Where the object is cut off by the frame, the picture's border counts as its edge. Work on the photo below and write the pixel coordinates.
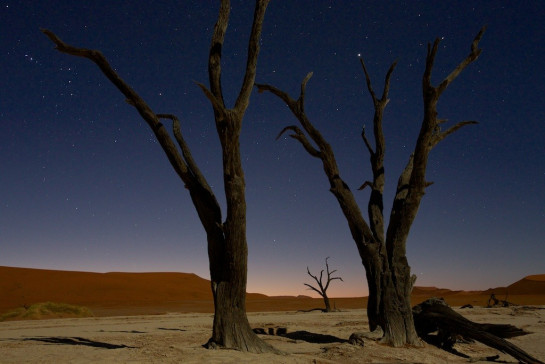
(383, 253)
(227, 245)
(322, 287)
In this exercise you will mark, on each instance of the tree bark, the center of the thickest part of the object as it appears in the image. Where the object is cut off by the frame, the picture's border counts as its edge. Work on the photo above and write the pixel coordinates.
(383, 255)
(227, 245)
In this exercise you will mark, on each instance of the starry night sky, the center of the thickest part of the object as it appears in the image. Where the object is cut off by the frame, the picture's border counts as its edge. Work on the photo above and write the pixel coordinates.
(84, 185)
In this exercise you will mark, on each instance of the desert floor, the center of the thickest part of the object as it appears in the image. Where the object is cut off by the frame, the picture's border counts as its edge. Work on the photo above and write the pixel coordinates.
(178, 337)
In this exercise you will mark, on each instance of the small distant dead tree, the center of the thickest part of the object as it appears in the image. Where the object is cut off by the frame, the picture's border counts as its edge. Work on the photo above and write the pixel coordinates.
(227, 245)
(383, 249)
(322, 289)
(494, 302)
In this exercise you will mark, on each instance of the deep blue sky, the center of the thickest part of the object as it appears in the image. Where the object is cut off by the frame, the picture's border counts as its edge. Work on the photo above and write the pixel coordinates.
(84, 185)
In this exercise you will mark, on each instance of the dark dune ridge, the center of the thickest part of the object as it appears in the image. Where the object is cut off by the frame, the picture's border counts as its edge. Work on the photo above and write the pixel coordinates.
(118, 293)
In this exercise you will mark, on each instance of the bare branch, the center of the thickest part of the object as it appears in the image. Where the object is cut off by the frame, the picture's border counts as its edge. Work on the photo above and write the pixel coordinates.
(374, 208)
(430, 59)
(217, 104)
(214, 57)
(440, 136)
(329, 274)
(279, 93)
(319, 281)
(292, 104)
(66, 48)
(304, 84)
(368, 80)
(253, 51)
(132, 98)
(298, 110)
(321, 276)
(290, 127)
(365, 184)
(384, 99)
(386, 89)
(412, 182)
(301, 100)
(313, 288)
(358, 227)
(300, 136)
(186, 152)
(473, 55)
(98, 58)
(366, 141)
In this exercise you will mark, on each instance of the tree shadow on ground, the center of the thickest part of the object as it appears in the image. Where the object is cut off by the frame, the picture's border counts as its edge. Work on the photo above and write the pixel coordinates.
(170, 329)
(313, 337)
(76, 341)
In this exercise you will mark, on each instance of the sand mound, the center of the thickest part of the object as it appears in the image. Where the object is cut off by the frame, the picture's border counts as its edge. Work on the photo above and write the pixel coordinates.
(46, 310)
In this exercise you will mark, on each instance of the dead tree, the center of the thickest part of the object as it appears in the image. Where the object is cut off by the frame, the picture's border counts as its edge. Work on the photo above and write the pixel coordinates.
(322, 289)
(384, 254)
(439, 325)
(494, 302)
(227, 246)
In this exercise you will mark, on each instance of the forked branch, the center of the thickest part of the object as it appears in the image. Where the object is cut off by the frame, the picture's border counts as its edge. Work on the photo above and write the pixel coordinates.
(359, 228)
(183, 164)
(375, 205)
(132, 98)
(322, 286)
(412, 182)
(186, 152)
(472, 56)
(300, 136)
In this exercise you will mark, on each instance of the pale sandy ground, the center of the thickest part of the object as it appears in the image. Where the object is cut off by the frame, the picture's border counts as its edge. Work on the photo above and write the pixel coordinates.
(177, 338)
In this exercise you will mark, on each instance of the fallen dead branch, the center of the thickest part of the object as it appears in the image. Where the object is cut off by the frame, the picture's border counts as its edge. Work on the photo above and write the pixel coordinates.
(434, 315)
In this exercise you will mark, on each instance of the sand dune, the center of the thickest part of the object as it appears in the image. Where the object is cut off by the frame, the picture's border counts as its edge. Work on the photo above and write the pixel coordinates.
(30, 285)
(530, 285)
(108, 294)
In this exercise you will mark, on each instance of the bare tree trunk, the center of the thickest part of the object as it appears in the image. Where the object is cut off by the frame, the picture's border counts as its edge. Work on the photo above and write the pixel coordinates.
(227, 246)
(327, 304)
(396, 315)
(389, 304)
(231, 328)
(383, 255)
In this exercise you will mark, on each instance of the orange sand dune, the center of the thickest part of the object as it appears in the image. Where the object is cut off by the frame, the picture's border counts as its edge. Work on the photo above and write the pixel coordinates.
(109, 294)
(105, 291)
(536, 277)
(529, 285)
